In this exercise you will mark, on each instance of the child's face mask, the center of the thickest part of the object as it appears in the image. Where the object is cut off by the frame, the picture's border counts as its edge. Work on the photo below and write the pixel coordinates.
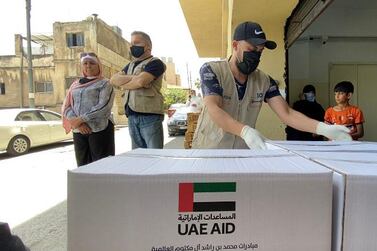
(309, 96)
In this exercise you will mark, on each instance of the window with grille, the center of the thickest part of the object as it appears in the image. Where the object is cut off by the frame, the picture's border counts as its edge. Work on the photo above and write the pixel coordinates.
(75, 39)
(44, 87)
(2, 88)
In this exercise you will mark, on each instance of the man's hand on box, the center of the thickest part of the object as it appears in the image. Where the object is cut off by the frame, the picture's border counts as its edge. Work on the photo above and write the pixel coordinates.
(252, 138)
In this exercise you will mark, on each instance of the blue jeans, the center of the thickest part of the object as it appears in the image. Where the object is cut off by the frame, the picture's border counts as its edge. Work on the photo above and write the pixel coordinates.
(146, 131)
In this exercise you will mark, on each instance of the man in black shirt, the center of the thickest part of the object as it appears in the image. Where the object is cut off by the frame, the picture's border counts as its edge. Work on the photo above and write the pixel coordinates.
(310, 108)
(142, 81)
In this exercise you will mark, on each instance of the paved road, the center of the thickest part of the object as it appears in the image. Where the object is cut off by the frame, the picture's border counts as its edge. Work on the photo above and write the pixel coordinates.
(33, 190)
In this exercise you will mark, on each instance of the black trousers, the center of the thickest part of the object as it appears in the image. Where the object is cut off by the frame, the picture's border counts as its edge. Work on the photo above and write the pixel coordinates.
(94, 146)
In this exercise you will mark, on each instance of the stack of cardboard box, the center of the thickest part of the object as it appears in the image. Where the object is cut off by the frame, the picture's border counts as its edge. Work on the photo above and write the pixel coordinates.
(354, 166)
(181, 200)
(192, 120)
(293, 196)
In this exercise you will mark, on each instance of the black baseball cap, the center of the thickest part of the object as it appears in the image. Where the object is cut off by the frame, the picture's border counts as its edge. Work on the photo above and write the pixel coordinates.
(253, 33)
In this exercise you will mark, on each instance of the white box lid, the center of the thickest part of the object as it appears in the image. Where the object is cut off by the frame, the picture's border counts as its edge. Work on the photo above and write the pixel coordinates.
(167, 162)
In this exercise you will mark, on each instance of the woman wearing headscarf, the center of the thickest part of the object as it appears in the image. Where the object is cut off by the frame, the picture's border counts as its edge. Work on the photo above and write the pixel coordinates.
(87, 112)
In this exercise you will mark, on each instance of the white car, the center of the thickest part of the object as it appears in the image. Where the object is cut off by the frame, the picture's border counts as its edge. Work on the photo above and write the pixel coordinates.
(173, 108)
(177, 123)
(21, 129)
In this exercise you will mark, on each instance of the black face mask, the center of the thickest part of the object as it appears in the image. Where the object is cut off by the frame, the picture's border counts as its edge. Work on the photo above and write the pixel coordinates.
(137, 51)
(250, 62)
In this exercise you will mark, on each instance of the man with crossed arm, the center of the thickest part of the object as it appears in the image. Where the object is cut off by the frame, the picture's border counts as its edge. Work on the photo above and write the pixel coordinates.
(142, 81)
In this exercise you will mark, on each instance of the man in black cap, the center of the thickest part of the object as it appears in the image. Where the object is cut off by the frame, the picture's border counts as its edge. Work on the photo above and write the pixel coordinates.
(308, 106)
(233, 92)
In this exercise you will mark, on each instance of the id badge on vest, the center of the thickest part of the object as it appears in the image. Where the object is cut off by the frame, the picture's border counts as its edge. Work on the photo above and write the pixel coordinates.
(256, 99)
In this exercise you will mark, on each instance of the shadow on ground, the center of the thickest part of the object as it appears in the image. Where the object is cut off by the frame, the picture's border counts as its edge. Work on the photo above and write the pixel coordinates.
(176, 143)
(47, 231)
(5, 155)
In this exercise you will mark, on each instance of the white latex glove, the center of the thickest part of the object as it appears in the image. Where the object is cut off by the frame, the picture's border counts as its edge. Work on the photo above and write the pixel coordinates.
(334, 132)
(253, 139)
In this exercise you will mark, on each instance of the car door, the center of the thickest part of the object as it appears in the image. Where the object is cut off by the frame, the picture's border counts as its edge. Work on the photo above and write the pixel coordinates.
(31, 124)
(54, 121)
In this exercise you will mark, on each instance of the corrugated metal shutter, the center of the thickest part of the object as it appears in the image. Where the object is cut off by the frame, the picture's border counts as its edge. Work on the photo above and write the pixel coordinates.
(302, 16)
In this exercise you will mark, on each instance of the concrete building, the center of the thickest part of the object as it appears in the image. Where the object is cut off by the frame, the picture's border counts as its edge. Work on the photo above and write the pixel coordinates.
(319, 42)
(171, 78)
(56, 63)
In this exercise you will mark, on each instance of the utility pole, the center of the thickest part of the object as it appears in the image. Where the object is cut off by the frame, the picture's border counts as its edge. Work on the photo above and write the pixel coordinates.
(21, 72)
(188, 76)
(190, 80)
(29, 56)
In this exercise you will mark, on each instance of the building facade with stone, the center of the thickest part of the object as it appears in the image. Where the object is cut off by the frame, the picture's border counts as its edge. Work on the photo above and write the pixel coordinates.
(171, 79)
(56, 64)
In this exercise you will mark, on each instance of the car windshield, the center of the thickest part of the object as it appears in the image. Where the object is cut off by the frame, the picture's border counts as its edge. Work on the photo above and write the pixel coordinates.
(178, 105)
(181, 113)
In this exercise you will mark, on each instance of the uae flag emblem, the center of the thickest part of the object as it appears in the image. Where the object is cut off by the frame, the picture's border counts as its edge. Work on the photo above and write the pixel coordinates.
(206, 197)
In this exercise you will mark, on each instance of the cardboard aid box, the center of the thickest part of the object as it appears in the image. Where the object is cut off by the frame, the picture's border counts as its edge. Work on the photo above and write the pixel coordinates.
(355, 205)
(200, 200)
(352, 151)
(355, 189)
(324, 146)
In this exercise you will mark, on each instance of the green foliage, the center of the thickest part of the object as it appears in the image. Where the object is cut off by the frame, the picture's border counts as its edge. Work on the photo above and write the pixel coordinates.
(173, 95)
(197, 84)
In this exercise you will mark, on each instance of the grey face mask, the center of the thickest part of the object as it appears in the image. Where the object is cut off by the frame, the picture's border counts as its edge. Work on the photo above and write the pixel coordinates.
(309, 96)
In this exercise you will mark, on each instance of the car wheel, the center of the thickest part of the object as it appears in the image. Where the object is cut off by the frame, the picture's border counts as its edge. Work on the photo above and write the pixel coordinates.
(18, 145)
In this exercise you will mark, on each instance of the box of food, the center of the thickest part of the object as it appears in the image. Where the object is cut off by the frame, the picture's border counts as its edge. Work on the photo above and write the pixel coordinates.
(200, 200)
(355, 204)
